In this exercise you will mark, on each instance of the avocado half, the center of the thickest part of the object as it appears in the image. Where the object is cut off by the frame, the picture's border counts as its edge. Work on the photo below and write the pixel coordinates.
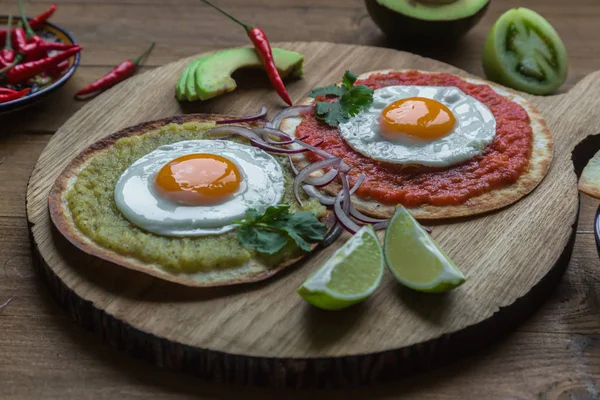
(426, 21)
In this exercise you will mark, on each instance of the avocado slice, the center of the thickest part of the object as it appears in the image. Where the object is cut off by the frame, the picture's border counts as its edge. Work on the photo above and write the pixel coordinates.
(426, 21)
(190, 84)
(210, 76)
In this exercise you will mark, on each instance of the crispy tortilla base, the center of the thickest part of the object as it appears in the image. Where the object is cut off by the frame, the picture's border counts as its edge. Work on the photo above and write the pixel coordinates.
(62, 219)
(589, 182)
(539, 163)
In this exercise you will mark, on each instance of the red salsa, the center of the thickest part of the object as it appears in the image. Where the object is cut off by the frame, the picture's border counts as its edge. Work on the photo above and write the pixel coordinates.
(501, 164)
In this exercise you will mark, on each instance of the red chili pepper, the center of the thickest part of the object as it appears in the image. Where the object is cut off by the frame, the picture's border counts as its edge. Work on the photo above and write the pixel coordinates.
(19, 38)
(263, 48)
(47, 46)
(6, 90)
(59, 69)
(32, 49)
(22, 72)
(118, 74)
(36, 22)
(13, 96)
(7, 55)
(41, 19)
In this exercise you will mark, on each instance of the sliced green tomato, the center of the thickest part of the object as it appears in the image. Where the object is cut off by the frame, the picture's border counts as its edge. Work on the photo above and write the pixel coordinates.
(415, 259)
(524, 52)
(349, 276)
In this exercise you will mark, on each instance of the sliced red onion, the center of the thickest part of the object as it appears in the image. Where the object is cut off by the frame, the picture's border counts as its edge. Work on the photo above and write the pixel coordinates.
(266, 134)
(324, 179)
(333, 234)
(346, 192)
(289, 112)
(364, 218)
(294, 169)
(262, 114)
(428, 230)
(359, 181)
(317, 194)
(381, 225)
(341, 211)
(273, 149)
(309, 169)
(225, 137)
(236, 130)
(315, 149)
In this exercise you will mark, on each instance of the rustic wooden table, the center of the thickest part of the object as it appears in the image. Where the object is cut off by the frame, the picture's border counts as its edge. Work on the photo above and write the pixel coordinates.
(43, 354)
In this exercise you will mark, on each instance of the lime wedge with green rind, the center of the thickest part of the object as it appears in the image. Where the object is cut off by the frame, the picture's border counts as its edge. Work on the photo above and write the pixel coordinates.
(415, 259)
(349, 276)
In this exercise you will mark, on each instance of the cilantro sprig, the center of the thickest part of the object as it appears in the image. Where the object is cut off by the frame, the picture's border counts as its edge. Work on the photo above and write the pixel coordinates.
(270, 232)
(352, 100)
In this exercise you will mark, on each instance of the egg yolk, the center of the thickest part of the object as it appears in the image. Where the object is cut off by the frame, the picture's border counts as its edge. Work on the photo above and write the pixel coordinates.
(416, 116)
(198, 180)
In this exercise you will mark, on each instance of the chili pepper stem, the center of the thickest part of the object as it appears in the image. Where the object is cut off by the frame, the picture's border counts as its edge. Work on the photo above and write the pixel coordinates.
(17, 60)
(8, 44)
(30, 33)
(137, 60)
(246, 27)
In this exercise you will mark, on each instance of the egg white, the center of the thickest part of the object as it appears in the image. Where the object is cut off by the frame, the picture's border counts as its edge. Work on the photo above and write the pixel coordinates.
(262, 186)
(474, 130)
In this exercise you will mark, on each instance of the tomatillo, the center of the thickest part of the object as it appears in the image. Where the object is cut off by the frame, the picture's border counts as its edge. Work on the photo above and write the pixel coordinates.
(524, 52)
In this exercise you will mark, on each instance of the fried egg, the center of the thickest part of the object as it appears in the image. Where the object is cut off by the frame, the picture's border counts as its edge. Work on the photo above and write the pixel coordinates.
(198, 187)
(423, 125)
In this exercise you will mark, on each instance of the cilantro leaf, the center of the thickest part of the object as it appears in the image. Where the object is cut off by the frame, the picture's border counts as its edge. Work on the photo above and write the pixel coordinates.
(357, 99)
(331, 113)
(349, 79)
(264, 241)
(352, 100)
(304, 227)
(271, 231)
(331, 90)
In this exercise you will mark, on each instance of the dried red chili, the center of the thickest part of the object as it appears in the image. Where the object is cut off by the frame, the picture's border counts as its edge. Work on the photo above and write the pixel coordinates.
(263, 48)
(121, 72)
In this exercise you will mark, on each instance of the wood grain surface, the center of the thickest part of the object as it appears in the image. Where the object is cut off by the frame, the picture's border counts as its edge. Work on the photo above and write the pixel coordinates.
(554, 355)
(504, 254)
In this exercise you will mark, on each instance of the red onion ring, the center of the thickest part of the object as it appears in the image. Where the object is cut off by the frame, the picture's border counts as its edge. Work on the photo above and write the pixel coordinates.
(236, 130)
(381, 225)
(359, 181)
(265, 133)
(341, 211)
(292, 166)
(309, 169)
(267, 147)
(317, 194)
(289, 112)
(364, 218)
(262, 114)
(324, 179)
(333, 234)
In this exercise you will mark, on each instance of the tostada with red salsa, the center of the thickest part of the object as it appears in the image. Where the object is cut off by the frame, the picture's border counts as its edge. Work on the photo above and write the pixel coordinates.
(441, 145)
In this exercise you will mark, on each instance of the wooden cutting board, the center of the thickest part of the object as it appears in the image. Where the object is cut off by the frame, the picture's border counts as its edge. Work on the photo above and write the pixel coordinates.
(264, 333)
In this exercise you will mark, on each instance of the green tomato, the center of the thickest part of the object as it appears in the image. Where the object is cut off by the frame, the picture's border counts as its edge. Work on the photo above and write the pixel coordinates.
(524, 52)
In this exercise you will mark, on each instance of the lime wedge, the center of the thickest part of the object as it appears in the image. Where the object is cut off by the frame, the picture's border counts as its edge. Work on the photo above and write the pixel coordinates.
(415, 259)
(349, 276)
